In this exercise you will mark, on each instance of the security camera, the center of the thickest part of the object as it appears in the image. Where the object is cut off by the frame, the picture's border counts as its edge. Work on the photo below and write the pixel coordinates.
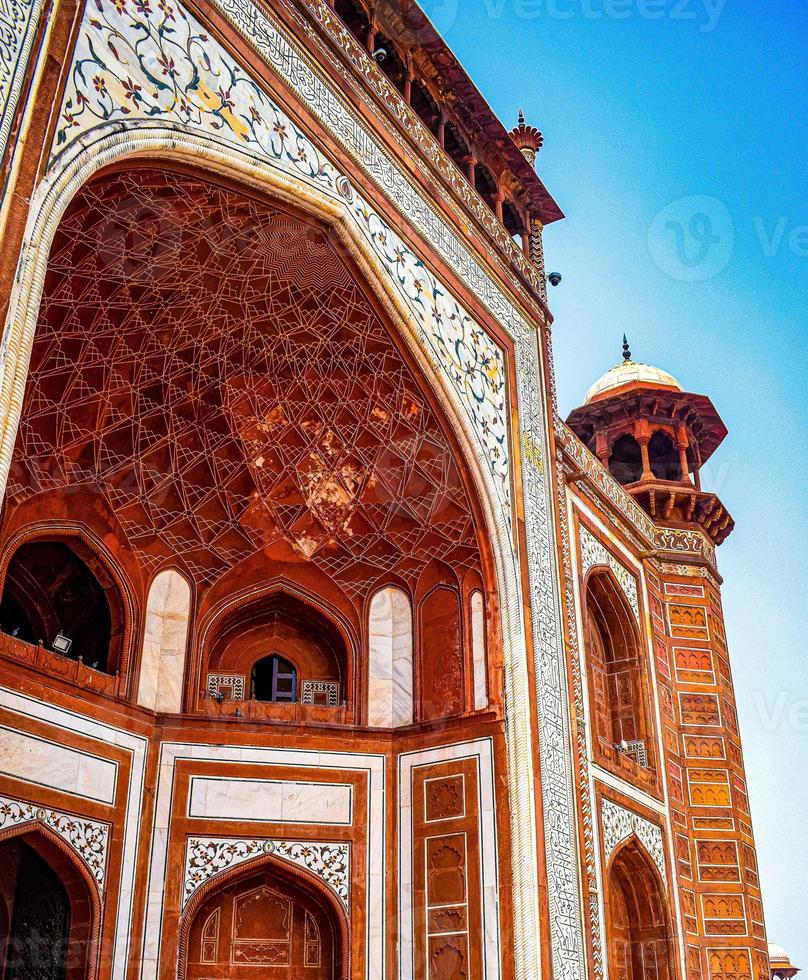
(554, 278)
(379, 55)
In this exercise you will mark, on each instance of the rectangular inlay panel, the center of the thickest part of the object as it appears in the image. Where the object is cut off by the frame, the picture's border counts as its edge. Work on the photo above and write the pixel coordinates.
(270, 801)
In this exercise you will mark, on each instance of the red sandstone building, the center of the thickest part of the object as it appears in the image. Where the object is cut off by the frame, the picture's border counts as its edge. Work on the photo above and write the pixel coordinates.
(328, 650)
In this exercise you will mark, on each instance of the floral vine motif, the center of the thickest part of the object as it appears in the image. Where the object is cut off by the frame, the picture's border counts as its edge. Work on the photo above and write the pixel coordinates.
(594, 552)
(205, 857)
(88, 838)
(619, 824)
(140, 61)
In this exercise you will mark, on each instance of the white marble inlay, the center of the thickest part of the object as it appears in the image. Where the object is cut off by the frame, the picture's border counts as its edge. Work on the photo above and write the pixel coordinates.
(206, 857)
(35, 760)
(481, 751)
(136, 746)
(271, 801)
(478, 651)
(164, 643)
(619, 824)
(390, 681)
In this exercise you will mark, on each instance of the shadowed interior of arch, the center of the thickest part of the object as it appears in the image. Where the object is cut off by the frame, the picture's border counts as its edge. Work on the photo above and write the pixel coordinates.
(52, 594)
(264, 918)
(637, 918)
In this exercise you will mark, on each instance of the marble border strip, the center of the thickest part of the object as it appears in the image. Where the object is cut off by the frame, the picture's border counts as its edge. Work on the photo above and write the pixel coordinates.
(137, 746)
(19, 20)
(481, 750)
(373, 766)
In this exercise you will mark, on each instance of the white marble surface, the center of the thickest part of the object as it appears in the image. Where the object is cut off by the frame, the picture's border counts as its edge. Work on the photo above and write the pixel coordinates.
(271, 801)
(390, 678)
(36, 760)
(478, 651)
(165, 637)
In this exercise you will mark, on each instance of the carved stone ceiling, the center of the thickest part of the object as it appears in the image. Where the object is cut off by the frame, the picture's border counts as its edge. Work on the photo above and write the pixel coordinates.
(209, 365)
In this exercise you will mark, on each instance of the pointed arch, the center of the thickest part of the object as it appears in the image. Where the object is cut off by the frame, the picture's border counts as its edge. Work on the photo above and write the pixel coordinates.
(638, 920)
(165, 641)
(616, 674)
(390, 666)
(108, 593)
(83, 926)
(281, 875)
(152, 140)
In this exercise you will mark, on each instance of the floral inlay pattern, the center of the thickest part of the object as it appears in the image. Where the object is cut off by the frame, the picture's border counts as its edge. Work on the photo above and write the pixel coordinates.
(205, 857)
(594, 552)
(619, 824)
(88, 838)
(140, 60)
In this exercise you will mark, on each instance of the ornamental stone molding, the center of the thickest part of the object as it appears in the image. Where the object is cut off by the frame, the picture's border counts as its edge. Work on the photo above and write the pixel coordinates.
(594, 552)
(89, 839)
(19, 20)
(619, 824)
(209, 856)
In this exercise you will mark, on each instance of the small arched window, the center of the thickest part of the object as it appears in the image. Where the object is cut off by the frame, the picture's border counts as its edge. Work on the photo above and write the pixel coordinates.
(65, 597)
(390, 673)
(637, 923)
(615, 672)
(274, 679)
(663, 457)
(485, 184)
(625, 460)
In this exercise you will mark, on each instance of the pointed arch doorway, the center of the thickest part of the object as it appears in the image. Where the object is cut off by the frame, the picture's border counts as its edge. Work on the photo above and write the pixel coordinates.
(637, 918)
(268, 919)
(49, 912)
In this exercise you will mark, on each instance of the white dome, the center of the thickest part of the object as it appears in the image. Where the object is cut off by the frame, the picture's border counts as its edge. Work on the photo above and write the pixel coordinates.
(778, 954)
(630, 372)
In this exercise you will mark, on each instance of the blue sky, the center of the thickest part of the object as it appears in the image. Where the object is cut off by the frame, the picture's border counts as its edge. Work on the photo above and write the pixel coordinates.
(688, 117)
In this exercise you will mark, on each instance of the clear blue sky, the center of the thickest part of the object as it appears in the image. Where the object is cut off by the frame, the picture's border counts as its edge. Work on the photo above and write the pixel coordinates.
(645, 104)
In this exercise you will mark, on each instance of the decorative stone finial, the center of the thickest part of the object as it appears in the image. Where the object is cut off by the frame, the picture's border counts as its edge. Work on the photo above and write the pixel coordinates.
(528, 139)
(626, 351)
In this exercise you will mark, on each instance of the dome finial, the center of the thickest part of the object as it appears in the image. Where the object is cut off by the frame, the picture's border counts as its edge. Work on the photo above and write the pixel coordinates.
(626, 350)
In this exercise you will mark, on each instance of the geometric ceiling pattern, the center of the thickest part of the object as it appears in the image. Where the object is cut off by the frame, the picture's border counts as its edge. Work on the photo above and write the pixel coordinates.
(209, 365)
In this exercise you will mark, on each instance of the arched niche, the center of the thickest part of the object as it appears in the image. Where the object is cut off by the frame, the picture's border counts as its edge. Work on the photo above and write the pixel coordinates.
(638, 925)
(441, 648)
(51, 909)
(663, 457)
(390, 667)
(264, 915)
(480, 666)
(165, 641)
(57, 590)
(617, 688)
(625, 459)
(297, 634)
